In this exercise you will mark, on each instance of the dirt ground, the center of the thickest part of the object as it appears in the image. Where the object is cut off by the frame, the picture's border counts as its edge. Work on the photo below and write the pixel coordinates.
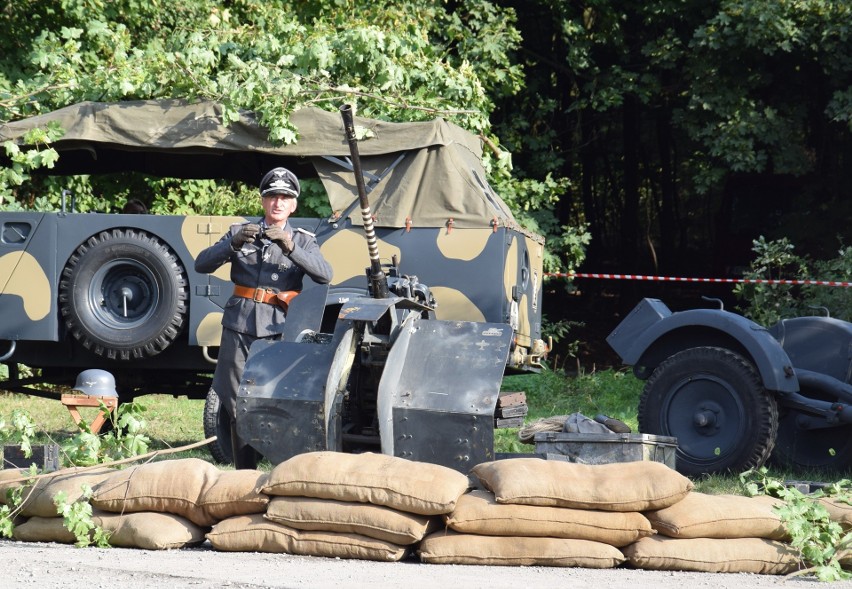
(48, 566)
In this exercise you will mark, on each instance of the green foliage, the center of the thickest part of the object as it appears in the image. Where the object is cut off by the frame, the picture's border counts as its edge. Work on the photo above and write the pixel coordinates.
(819, 540)
(22, 162)
(775, 260)
(558, 331)
(769, 303)
(7, 526)
(21, 430)
(77, 519)
(123, 439)
(838, 300)
(15, 497)
(399, 61)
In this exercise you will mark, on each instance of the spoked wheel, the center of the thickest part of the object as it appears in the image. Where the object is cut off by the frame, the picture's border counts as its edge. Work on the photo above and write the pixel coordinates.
(712, 400)
(797, 446)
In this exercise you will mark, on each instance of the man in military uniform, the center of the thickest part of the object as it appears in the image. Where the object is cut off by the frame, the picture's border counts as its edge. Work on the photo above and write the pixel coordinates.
(268, 260)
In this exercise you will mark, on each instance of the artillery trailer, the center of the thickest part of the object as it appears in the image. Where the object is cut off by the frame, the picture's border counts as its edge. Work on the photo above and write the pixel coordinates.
(735, 393)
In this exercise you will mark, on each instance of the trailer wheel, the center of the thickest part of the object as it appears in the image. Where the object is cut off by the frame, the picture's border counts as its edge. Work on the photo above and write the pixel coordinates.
(123, 294)
(713, 401)
(218, 423)
(826, 448)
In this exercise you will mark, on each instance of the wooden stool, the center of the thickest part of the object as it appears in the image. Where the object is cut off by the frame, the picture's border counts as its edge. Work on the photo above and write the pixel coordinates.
(72, 402)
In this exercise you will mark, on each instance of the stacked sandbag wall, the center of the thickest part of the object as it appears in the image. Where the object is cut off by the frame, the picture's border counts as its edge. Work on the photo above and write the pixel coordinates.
(513, 512)
(367, 506)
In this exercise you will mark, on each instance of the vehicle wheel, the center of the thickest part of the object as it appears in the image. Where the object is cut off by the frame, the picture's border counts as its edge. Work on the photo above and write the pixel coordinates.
(123, 294)
(713, 401)
(827, 449)
(218, 423)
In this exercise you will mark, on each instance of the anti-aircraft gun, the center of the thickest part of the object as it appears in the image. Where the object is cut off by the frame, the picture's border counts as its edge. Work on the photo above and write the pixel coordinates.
(389, 378)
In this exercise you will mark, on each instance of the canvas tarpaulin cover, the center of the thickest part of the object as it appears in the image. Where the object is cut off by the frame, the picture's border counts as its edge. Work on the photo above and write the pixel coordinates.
(424, 173)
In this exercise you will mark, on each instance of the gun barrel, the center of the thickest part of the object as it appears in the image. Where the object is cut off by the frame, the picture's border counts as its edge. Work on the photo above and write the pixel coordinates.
(378, 280)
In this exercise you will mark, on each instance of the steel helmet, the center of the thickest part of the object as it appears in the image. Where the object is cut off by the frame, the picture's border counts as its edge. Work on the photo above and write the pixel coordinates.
(280, 181)
(96, 383)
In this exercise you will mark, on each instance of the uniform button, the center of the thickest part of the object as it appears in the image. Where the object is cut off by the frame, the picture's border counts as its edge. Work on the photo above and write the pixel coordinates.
(274, 276)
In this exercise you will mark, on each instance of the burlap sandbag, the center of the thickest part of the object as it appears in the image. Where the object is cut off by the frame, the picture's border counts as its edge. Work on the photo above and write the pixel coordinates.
(478, 512)
(235, 492)
(254, 533)
(405, 485)
(712, 555)
(43, 529)
(625, 486)
(7, 475)
(838, 511)
(39, 499)
(149, 530)
(699, 515)
(146, 530)
(375, 521)
(168, 486)
(448, 547)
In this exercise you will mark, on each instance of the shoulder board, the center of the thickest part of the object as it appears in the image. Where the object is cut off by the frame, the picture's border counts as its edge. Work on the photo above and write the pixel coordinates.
(305, 231)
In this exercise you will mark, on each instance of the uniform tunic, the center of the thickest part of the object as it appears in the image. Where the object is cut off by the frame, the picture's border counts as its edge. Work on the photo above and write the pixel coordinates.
(258, 264)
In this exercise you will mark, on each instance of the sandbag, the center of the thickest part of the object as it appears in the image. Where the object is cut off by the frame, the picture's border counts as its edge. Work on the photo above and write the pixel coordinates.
(145, 530)
(838, 511)
(149, 530)
(624, 486)
(712, 555)
(254, 533)
(375, 521)
(478, 512)
(234, 492)
(39, 500)
(699, 515)
(168, 486)
(10, 474)
(405, 485)
(448, 547)
(43, 529)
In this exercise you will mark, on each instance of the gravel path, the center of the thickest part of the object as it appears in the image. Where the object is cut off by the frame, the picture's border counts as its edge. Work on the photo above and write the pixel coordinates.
(49, 566)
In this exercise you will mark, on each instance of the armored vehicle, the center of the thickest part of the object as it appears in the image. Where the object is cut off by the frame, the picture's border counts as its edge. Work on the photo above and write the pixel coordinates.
(735, 393)
(119, 291)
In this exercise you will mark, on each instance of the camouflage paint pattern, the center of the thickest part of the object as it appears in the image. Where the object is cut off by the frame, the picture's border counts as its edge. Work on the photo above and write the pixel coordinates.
(488, 274)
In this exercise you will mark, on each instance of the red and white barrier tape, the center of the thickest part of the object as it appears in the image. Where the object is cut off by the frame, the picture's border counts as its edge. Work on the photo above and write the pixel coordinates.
(686, 279)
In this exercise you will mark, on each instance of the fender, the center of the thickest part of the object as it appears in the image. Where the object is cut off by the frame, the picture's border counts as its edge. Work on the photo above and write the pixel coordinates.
(652, 332)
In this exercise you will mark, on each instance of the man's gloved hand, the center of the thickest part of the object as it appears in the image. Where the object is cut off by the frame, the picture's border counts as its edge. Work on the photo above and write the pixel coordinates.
(246, 234)
(281, 238)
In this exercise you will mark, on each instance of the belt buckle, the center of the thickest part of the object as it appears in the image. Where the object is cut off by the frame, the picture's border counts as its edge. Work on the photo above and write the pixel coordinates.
(259, 295)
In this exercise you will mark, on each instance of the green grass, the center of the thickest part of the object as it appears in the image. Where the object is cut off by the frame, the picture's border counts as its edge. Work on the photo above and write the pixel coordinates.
(171, 422)
(177, 421)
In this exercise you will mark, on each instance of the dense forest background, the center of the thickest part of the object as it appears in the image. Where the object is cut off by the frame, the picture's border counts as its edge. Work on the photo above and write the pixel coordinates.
(652, 137)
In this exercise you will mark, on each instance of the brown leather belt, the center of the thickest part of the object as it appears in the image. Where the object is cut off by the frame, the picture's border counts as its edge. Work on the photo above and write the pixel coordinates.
(266, 295)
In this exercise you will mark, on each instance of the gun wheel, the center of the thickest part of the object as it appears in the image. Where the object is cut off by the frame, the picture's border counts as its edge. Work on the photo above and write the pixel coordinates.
(713, 401)
(218, 423)
(123, 295)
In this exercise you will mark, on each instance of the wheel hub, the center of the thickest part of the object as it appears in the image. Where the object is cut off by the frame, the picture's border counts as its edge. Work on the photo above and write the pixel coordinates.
(716, 423)
(704, 419)
(127, 293)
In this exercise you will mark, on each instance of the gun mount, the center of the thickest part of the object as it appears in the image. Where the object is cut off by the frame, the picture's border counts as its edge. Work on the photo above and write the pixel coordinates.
(390, 378)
